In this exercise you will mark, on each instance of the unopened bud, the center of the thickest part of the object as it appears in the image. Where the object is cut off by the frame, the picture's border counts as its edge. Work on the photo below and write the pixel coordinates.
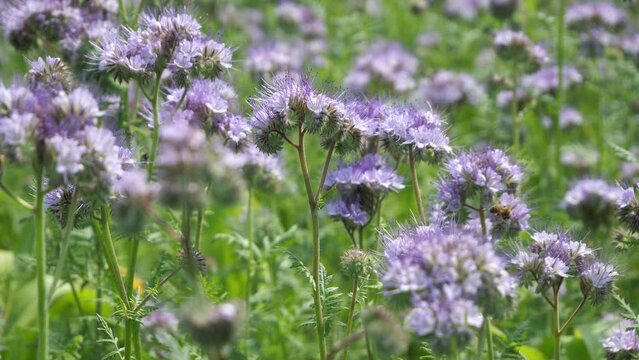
(355, 263)
(213, 326)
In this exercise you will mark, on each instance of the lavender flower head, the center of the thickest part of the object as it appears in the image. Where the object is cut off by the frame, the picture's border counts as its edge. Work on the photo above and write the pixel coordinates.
(361, 186)
(17, 121)
(183, 163)
(630, 46)
(386, 63)
(418, 130)
(595, 14)
(258, 169)
(446, 88)
(485, 174)
(465, 9)
(622, 344)
(516, 46)
(628, 208)
(274, 57)
(592, 201)
(451, 275)
(290, 101)
(553, 257)
(50, 73)
(546, 80)
(308, 22)
(169, 39)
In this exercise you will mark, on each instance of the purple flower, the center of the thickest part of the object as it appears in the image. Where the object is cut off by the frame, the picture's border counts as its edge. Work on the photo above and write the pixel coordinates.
(446, 88)
(420, 130)
(598, 277)
(290, 100)
(449, 273)
(509, 215)
(428, 39)
(308, 22)
(595, 14)
(67, 154)
(546, 80)
(259, 169)
(134, 185)
(361, 186)
(622, 342)
(50, 73)
(628, 208)
(592, 201)
(568, 118)
(555, 256)
(487, 174)
(630, 46)
(275, 56)
(351, 213)
(168, 38)
(465, 9)
(160, 319)
(386, 62)
(371, 172)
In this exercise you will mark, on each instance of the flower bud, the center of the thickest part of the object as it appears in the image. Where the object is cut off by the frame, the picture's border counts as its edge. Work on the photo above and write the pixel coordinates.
(213, 326)
(355, 263)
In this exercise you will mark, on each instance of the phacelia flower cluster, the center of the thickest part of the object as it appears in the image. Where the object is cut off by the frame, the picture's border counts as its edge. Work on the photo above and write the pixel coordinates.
(289, 101)
(361, 186)
(546, 80)
(595, 14)
(446, 88)
(553, 257)
(593, 201)
(208, 104)
(414, 131)
(486, 181)
(384, 63)
(465, 9)
(622, 344)
(69, 23)
(628, 208)
(260, 170)
(516, 46)
(167, 40)
(451, 275)
(569, 117)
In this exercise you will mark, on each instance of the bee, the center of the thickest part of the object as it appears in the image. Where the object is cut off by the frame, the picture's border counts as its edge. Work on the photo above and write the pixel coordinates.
(501, 210)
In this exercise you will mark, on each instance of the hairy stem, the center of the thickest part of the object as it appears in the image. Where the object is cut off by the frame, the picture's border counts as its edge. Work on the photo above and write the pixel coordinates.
(555, 323)
(198, 230)
(417, 191)
(109, 253)
(489, 340)
(316, 246)
(156, 125)
(515, 110)
(351, 314)
(43, 312)
(572, 317)
(68, 227)
(344, 344)
(249, 267)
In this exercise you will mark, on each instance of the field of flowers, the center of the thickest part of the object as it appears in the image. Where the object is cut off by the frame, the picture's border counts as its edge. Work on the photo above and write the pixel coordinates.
(329, 179)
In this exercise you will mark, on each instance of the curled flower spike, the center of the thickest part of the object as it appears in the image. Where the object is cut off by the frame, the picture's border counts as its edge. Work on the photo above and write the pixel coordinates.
(594, 14)
(290, 101)
(622, 344)
(628, 209)
(546, 80)
(259, 170)
(168, 40)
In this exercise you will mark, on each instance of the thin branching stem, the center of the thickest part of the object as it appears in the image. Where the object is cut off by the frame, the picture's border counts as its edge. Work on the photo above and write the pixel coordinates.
(416, 189)
(43, 312)
(351, 314)
(20, 201)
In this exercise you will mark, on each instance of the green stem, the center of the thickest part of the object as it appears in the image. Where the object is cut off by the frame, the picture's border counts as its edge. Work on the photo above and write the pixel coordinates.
(489, 340)
(560, 88)
(198, 231)
(20, 201)
(137, 341)
(568, 322)
(555, 324)
(515, 110)
(133, 256)
(128, 338)
(156, 125)
(417, 191)
(351, 315)
(317, 299)
(249, 268)
(123, 15)
(43, 313)
(111, 258)
(482, 220)
(68, 227)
